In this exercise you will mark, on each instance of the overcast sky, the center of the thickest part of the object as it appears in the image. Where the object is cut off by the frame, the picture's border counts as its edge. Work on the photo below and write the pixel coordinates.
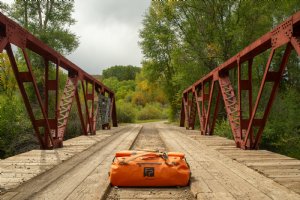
(108, 32)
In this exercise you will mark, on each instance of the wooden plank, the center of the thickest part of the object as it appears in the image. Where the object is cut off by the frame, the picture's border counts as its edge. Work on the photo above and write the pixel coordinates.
(243, 188)
(259, 156)
(91, 186)
(9, 195)
(284, 175)
(295, 186)
(273, 163)
(65, 184)
(23, 167)
(283, 167)
(237, 178)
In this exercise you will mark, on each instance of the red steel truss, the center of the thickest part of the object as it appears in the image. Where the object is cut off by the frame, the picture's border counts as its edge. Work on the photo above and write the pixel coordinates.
(246, 130)
(50, 130)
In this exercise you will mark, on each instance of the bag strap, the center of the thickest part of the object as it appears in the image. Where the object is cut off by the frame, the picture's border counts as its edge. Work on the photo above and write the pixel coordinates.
(126, 161)
(163, 155)
(148, 150)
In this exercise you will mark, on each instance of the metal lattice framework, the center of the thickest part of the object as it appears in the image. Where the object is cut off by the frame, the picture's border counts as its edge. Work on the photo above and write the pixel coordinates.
(103, 112)
(199, 98)
(50, 130)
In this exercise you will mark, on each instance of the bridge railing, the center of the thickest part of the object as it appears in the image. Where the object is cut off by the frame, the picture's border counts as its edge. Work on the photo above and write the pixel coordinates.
(50, 130)
(198, 99)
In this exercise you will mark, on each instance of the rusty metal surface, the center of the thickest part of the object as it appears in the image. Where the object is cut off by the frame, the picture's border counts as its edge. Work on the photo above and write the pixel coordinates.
(50, 131)
(287, 35)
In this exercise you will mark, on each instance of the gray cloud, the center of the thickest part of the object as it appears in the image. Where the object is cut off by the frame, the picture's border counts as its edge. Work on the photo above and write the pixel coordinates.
(108, 31)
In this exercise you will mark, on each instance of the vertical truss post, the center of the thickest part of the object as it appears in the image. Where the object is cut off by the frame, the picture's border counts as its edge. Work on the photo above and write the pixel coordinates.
(87, 98)
(200, 108)
(185, 103)
(197, 104)
(210, 124)
(87, 114)
(215, 116)
(246, 85)
(188, 109)
(203, 112)
(192, 110)
(95, 113)
(110, 110)
(182, 113)
(250, 92)
(80, 113)
(56, 97)
(239, 98)
(86, 106)
(206, 125)
(46, 90)
(92, 113)
(51, 85)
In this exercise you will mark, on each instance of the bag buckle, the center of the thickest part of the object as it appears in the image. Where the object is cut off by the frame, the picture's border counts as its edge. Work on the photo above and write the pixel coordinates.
(164, 156)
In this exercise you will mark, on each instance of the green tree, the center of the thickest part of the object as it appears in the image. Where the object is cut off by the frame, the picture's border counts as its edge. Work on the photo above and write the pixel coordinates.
(158, 42)
(48, 20)
(8, 84)
(138, 98)
(122, 73)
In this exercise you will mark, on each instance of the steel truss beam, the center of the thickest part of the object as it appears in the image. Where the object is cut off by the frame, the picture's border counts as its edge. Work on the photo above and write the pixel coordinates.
(50, 131)
(247, 131)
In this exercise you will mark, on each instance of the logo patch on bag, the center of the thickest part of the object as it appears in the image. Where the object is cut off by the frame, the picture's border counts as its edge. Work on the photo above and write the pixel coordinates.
(149, 172)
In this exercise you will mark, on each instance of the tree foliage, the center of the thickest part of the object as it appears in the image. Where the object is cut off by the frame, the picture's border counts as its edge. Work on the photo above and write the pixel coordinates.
(183, 40)
(48, 20)
(8, 83)
(137, 98)
(121, 73)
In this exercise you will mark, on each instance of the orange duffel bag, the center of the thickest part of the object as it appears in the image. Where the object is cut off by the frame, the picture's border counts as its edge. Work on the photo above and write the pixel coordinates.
(142, 168)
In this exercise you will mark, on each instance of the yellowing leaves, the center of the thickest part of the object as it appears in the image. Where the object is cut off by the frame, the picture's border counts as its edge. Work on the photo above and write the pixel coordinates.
(213, 50)
(7, 80)
(143, 85)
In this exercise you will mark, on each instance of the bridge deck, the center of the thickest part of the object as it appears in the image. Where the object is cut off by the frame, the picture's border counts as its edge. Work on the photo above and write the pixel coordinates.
(219, 170)
(282, 169)
(20, 168)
